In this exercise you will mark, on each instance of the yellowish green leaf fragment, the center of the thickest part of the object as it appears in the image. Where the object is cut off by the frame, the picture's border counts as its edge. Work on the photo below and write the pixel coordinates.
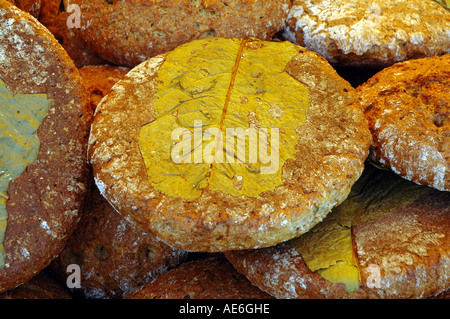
(328, 247)
(226, 118)
(20, 117)
(444, 3)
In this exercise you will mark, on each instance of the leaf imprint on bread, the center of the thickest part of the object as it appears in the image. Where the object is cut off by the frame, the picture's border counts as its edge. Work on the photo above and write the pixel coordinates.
(444, 3)
(226, 118)
(20, 117)
(328, 247)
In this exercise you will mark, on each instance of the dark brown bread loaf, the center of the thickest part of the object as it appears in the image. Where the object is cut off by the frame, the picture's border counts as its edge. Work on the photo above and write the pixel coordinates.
(114, 256)
(40, 204)
(56, 19)
(32, 7)
(206, 278)
(131, 31)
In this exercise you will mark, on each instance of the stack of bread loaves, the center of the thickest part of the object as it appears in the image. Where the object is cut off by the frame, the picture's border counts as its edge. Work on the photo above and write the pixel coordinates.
(224, 149)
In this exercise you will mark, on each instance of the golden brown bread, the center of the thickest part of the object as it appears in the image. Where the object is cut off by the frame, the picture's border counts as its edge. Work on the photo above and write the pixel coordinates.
(407, 106)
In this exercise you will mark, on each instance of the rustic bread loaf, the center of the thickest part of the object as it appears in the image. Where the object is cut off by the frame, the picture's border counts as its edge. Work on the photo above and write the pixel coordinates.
(32, 7)
(114, 255)
(407, 106)
(44, 127)
(323, 142)
(61, 24)
(371, 33)
(131, 31)
(41, 286)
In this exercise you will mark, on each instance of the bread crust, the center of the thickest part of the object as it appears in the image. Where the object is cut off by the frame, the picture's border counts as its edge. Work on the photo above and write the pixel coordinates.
(44, 202)
(210, 277)
(401, 255)
(129, 32)
(55, 18)
(32, 7)
(330, 155)
(407, 107)
(115, 256)
(41, 286)
(99, 79)
(369, 33)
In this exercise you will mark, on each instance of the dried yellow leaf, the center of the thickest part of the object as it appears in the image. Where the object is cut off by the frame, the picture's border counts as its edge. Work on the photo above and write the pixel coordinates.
(226, 118)
(20, 117)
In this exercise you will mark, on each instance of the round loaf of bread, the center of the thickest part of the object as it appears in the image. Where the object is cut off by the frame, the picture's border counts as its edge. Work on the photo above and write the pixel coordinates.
(44, 128)
(407, 106)
(205, 278)
(374, 33)
(131, 31)
(228, 143)
(388, 240)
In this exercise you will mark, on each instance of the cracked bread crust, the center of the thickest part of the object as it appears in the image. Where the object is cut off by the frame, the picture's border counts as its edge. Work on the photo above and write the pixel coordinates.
(407, 106)
(329, 158)
(129, 32)
(370, 33)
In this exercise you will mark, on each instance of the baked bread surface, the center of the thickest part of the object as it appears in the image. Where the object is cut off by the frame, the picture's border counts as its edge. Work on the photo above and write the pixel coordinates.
(56, 18)
(44, 202)
(205, 278)
(129, 32)
(407, 107)
(388, 239)
(370, 33)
